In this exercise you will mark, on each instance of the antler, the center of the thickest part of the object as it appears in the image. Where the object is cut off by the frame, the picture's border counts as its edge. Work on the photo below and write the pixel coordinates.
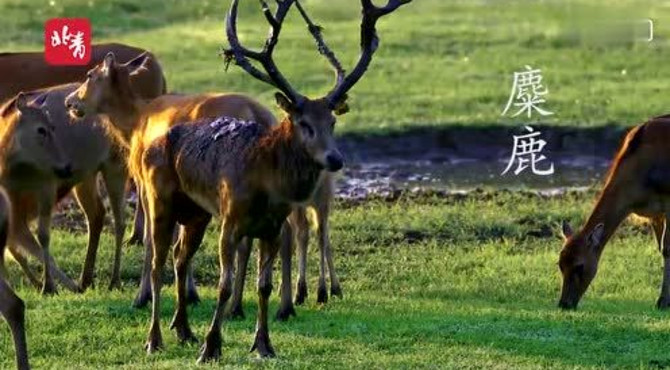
(324, 50)
(369, 44)
(241, 55)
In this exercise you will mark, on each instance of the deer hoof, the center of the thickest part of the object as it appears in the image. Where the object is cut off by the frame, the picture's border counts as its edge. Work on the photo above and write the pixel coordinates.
(284, 313)
(49, 289)
(262, 345)
(322, 295)
(211, 350)
(235, 313)
(154, 343)
(141, 300)
(663, 302)
(192, 297)
(301, 293)
(115, 284)
(336, 291)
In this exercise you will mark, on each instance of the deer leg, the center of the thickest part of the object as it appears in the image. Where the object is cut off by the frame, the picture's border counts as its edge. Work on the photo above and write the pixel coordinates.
(90, 202)
(266, 257)
(192, 297)
(137, 234)
(660, 227)
(44, 238)
(144, 292)
(286, 308)
(235, 310)
(115, 178)
(299, 220)
(323, 215)
(13, 310)
(228, 242)
(162, 226)
(191, 239)
(23, 263)
(26, 240)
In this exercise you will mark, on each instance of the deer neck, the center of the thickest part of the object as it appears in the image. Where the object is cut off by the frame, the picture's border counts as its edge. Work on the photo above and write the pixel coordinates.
(283, 165)
(610, 210)
(124, 114)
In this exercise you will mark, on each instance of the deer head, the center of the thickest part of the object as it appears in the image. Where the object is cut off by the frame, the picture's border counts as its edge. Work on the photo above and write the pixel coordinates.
(105, 84)
(578, 262)
(31, 146)
(314, 118)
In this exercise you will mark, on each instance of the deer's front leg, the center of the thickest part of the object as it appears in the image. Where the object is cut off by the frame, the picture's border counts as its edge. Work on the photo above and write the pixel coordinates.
(43, 237)
(660, 227)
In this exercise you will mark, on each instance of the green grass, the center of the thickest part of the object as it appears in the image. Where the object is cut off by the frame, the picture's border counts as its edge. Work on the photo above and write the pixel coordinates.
(440, 62)
(458, 282)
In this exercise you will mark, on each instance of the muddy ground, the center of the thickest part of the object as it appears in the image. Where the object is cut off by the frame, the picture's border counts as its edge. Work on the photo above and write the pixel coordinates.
(430, 161)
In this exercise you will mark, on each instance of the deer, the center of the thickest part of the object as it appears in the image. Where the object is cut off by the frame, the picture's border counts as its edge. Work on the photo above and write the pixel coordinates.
(638, 182)
(12, 307)
(108, 92)
(91, 152)
(249, 174)
(28, 71)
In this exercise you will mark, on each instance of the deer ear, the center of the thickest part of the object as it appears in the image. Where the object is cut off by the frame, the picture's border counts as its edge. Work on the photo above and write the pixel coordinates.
(284, 103)
(138, 64)
(566, 230)
(21, 101)
(596, 236)
(40, 100)
(108, 63)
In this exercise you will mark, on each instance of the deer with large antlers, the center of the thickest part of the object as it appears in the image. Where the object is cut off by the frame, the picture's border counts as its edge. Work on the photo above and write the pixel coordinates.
(251, 173)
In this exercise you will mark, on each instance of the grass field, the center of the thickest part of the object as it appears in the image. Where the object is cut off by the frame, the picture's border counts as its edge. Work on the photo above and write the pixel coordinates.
(464, 282)
(440, 63)
(451, 282)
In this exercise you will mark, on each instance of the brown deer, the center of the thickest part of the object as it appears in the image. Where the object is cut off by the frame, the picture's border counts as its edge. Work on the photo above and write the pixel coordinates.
(28, 71)
(250, 174)
(107, 93)
(638, 182)
(90, 152)
(12, 307)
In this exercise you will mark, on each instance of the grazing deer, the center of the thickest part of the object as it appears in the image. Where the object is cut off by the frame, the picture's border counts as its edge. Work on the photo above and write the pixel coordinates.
(12, 307)
(638, 182)
(28, 71)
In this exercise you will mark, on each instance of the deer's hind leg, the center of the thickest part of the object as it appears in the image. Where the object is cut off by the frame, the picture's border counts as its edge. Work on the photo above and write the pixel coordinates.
(660, 226)
(191, 238)
(235, 310)
(322, 205)
(286, 308)
(159, 195)
(228, 242)
(114, 174)
(298, 219)
(21, 236)
(90, 202)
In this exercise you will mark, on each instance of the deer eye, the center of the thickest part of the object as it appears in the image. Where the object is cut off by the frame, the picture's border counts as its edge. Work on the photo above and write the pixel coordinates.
(307, 129)
(42, 131)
